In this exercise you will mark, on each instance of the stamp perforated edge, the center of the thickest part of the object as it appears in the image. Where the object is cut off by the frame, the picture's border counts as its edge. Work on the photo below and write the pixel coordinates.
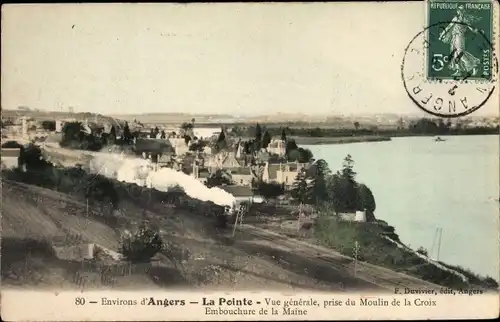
(494, 33)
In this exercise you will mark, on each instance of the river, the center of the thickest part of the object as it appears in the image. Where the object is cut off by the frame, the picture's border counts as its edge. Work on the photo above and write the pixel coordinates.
(421, 185)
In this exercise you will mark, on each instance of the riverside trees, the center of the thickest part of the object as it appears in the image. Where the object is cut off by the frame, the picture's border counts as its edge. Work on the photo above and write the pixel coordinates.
(341, 190)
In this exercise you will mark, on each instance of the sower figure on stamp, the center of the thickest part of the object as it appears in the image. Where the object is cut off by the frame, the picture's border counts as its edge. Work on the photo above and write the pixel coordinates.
(462, 62)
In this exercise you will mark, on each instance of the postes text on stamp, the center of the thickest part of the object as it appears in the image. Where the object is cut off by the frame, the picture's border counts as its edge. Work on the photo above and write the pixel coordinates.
(460, 47)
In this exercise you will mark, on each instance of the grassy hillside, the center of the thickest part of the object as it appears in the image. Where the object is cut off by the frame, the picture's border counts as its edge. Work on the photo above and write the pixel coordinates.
(37, 221)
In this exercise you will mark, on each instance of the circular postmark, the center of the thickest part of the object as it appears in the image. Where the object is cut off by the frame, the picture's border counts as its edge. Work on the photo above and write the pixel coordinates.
(465, 90)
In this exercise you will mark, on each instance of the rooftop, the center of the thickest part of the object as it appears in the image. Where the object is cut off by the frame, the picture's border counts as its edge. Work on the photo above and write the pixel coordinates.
(11, 153)
(240, 171)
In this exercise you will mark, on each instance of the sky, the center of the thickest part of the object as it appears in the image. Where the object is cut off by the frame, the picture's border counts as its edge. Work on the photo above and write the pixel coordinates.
(236, 59)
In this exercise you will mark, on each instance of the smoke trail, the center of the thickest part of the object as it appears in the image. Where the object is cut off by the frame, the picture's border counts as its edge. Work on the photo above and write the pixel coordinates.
(140, 172)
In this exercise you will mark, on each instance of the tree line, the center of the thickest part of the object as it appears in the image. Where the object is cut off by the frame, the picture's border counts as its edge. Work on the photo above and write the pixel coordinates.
(75, 137)
(422, 126)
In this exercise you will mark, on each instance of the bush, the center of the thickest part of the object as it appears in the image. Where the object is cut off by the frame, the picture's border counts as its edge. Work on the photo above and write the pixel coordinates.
(270, 190)
(423, 251)
(142, 245)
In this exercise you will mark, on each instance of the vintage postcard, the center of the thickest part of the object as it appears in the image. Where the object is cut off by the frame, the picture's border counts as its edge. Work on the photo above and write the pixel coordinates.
(263, 161)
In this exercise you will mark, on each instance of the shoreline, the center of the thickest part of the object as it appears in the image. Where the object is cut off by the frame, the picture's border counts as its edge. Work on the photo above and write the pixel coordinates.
(309, 140)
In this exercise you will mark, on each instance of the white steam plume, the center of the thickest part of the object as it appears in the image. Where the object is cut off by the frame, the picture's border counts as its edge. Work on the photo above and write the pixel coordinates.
(140, 171)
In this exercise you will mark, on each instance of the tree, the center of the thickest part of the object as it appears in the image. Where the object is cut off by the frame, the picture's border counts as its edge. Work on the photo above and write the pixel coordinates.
(141, 245)
(187, 126)
(348, 169)
(156, 132)
(348, 185)
(401, 124)
(127, 135)
(258, 134)
(33, 158)
(334, 191)
(266, 139)
(320, 171)
(343, 191)
(283, 135)
(290, 145)
(163, 135)
(101, 189)
(198, 146)
(270, 190)
(300, 189)
(366, 201)
(300, 155)
(152, 134)
(71, 134)
(112, 133)
(443, 128)
(49, 125)
(424, 126)
(218, 178)
(356, 125)
(365, 198)
(221, 143)
(247, 147)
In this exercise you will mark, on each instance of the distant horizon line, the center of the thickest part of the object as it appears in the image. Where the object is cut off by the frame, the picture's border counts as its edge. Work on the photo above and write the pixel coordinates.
(415, 114)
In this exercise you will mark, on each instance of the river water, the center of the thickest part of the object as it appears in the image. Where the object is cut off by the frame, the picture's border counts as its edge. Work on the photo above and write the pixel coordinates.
(421, 185)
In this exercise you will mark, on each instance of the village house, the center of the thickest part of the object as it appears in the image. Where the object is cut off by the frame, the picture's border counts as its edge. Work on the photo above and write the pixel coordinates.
(200, 173)
(277, 147)
(262, 156)
(240, 193)
(10, 158)
(240, 150)
(179, 144)
(241, 176)
(207, 150)
(165, 161)
(223, 160)
(359, 216)
(283, 173)
(59, 126)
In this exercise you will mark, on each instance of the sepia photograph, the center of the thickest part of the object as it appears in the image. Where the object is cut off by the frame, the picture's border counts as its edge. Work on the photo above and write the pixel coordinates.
(330, 148)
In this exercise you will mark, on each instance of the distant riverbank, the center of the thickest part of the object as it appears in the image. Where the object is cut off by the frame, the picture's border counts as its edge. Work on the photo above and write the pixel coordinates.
(309, 140)
(339, 140)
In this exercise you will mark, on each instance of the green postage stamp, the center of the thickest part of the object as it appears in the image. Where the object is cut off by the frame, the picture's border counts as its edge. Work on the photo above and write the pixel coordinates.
(460, 40)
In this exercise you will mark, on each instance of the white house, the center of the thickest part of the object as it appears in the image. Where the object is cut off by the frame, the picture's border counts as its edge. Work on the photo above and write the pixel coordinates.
(359, 216)
(10, 158)
(277, 147)
(283, 173)
(179, 145)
